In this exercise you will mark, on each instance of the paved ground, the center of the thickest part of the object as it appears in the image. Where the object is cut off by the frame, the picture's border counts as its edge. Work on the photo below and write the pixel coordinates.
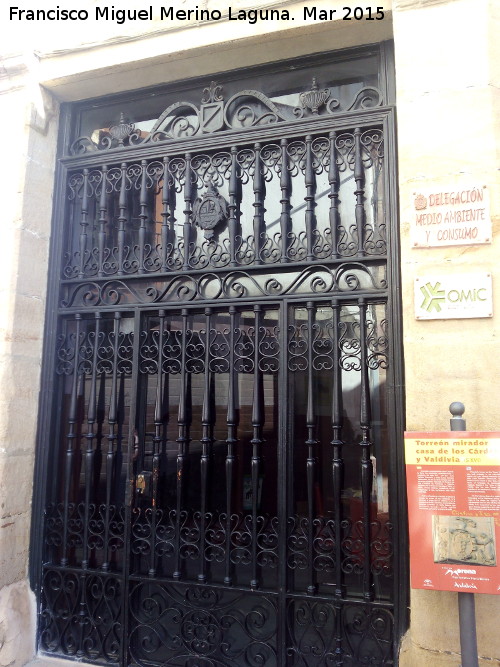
(43, 661)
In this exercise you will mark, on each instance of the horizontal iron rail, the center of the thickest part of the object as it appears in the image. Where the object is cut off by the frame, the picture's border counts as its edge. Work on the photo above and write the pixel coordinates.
(383, 604)
(346, 299)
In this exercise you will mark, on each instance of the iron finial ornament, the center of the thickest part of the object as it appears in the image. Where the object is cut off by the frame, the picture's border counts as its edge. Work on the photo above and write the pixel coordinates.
(122, 131)
(209, 210)
(315, 98)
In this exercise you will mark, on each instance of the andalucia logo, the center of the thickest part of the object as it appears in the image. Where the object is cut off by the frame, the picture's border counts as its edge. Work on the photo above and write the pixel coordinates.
(433, 297)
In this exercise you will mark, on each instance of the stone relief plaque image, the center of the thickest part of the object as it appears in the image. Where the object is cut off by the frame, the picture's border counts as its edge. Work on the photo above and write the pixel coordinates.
(464, 539)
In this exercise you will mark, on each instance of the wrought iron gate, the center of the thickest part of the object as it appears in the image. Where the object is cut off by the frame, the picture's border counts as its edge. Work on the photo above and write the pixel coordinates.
(223, 483)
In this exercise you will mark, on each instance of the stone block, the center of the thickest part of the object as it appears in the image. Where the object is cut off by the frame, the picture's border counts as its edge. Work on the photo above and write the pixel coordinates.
(24, 330)
(16, 484)
(434, 620)
(446, 132)
(494, 44)
(433, 639)
(14, 548)
(451, 40)
(18, 424)
(454, 365)
(487, 615)
(46, 661)
(31, 281)
(20, 372)
(17, 624)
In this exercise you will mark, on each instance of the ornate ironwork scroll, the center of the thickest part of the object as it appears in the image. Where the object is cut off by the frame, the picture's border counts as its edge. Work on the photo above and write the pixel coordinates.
(81, 615)
(175, 624)
(244, 109)
(347, 278)
(366, 634)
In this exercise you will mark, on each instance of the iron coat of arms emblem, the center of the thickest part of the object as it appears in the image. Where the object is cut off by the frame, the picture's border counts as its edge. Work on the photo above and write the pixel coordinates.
(209, 210)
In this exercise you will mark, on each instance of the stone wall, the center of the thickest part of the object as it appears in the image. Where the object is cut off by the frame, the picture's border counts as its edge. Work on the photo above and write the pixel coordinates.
(448, 108)
(29, 117)
(448, 123)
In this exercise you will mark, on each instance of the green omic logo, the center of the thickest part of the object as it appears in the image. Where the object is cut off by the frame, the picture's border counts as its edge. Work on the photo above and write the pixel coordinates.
(432, 297)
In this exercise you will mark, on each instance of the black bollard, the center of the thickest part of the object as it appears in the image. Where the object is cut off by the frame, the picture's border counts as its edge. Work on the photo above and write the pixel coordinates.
(466, 603)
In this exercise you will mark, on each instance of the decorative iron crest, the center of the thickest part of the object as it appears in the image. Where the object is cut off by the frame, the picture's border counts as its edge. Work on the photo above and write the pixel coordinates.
(209, 210)
(212, 109)
(244, 109)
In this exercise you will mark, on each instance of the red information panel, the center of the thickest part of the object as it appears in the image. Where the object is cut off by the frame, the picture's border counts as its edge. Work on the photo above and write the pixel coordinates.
(453, 482)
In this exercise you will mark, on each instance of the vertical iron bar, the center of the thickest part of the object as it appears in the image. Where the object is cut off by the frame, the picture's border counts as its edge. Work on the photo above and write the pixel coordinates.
(338, 478)
(143, 203)
(285, 201)
(122, 218)
(164, 215)
(258, 216)
(176, 247)
(82, 615)
(112, 421)
(187, 211)
(157, 443)
(466, 601)
(311, 443)
(366, 464)
(285, 476)
(337, 461)
(310, 182)
(84, 223)
(82, 605)
(231, 443)
(103, 208)
(257, 423)
(233, 204)
(129, 491)
(339, 634)
(71, 437)
(207, 424)
(359, 177)
(89, 454)
(334, 181)
(182, 421)
(165, 413)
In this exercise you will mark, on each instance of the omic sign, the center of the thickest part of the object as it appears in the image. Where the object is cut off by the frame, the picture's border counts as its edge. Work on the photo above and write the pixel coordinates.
(453, 484)
(453, 296)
